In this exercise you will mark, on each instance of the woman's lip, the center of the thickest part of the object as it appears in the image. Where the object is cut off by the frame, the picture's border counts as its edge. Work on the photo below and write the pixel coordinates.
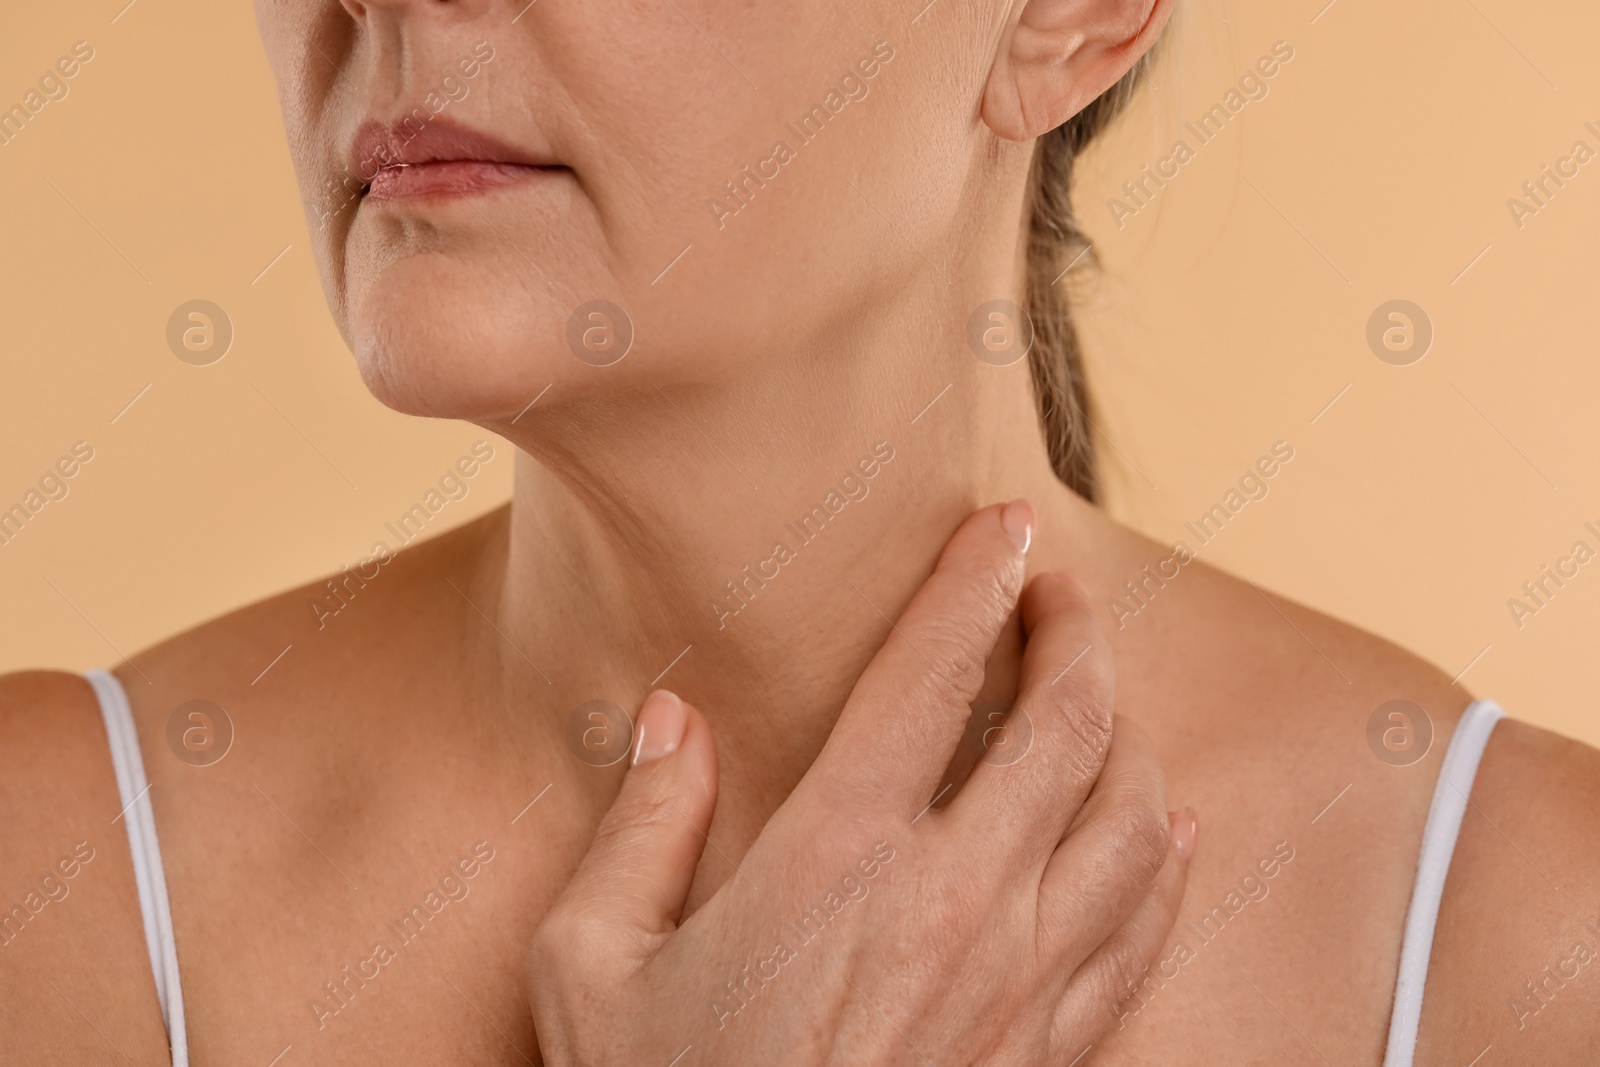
(450, 178)
(439, 158)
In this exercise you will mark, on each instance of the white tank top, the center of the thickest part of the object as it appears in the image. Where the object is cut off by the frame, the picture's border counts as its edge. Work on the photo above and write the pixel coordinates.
(1438, 844)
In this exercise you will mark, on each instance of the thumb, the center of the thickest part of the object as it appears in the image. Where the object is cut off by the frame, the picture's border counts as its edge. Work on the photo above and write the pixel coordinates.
(639, 867)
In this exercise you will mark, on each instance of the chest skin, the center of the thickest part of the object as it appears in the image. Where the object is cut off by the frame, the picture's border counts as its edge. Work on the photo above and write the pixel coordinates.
(378, 904)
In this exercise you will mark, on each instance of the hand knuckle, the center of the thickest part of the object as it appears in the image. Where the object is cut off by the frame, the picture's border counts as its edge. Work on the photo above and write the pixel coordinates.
(1139, 830)
(1086, 717)
(1082, 908)
(1123, 967)
(953, 668)
(989, 581)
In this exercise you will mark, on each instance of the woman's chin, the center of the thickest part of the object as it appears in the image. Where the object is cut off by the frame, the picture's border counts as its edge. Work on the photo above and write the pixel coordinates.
(435, 347)
(444, 384)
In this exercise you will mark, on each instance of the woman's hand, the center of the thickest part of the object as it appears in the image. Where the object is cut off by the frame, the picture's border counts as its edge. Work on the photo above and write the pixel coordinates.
(865, 927)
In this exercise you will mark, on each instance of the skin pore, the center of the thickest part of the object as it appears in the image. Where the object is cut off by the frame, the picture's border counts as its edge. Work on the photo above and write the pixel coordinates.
(821, 324)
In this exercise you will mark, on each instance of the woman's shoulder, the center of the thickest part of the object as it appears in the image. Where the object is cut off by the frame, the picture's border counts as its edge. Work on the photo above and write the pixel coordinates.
(55, 764)
(383, 596)
(356, 625)
(51, 724)
(70, 925)
(362, 623)
(1344, 734)
(70, 930)
(1515, 961)
(1516, 958)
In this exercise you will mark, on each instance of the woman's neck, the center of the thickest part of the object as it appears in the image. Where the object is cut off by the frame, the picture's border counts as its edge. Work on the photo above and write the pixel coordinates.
(747, 546)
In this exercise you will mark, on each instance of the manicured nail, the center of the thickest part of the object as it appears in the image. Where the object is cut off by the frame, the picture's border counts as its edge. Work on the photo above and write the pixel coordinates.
(662, 719)
(1017, 518)
(1185, 828)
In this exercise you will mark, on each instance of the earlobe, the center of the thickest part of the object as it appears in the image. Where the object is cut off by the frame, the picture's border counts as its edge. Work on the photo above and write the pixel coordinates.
(1059, 55)
(1002, 110)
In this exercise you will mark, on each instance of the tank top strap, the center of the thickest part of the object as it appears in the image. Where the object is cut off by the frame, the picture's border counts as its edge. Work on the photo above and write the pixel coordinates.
(139, 818)
(1439, 834)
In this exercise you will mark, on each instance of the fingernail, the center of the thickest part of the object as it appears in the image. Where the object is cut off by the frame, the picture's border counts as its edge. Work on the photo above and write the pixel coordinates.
(1017, 518)
(1185, 828)
(662, 719)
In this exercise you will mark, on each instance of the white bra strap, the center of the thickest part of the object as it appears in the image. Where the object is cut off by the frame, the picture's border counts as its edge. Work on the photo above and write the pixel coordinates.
(1438, 845)
(139, 818)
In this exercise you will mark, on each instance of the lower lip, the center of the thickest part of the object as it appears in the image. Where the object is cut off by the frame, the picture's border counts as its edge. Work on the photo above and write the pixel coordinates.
(449, 178)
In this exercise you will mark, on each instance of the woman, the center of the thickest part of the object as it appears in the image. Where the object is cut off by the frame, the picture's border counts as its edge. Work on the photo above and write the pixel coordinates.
(739, 283)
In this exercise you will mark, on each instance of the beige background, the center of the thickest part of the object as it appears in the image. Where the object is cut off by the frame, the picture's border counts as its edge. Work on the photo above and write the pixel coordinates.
(1231, 311)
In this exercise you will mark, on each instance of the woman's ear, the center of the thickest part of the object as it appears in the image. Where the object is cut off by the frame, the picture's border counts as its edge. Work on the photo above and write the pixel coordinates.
(1058, 55)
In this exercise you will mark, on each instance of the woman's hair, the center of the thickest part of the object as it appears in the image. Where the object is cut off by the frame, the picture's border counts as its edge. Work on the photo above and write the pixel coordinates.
(1054, 243)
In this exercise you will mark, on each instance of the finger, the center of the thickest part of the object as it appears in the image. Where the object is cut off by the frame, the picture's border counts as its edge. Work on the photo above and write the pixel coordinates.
(1026, 788)
(907, 712)
(1106, 866)
(1133, 964)
(636, 875)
